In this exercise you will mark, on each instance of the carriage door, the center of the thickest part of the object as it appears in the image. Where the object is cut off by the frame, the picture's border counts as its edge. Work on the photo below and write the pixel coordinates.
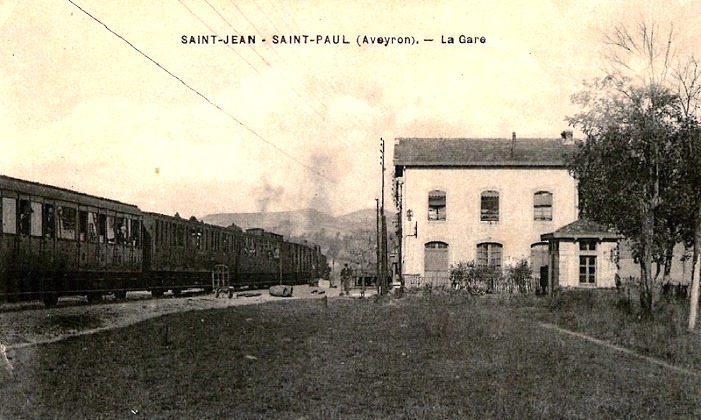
(220, 277)
(436, 260)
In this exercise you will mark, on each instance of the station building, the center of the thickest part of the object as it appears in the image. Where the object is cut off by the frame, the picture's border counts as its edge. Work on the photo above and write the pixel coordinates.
(488, 200)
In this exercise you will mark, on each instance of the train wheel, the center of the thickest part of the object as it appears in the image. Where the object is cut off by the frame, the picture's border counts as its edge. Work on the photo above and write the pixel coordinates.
(50, 299)
(120, 294)
(157, 293)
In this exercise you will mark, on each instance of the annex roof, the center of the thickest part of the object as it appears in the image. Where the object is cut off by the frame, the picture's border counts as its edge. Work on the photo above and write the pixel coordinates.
(582, 229)
(471, 152)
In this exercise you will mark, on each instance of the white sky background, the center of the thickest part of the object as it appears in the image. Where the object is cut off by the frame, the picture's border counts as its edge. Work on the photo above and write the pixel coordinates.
(80, 109)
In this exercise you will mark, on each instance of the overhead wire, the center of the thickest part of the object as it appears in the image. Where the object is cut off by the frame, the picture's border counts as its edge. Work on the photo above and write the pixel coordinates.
(213, 31)
(197, 92)
(322, 83)
(318, 100)
(230, 47)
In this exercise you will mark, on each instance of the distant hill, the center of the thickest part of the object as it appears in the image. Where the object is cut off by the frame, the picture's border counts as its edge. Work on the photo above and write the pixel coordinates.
(287, 223)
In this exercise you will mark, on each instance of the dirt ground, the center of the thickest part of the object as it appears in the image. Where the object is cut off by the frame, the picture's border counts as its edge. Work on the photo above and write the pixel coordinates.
(30, 323)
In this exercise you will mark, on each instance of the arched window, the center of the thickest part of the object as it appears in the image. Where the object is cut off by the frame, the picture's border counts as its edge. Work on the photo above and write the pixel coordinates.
(543, 205)
(436, 205)
(489, 209)
(489, 255)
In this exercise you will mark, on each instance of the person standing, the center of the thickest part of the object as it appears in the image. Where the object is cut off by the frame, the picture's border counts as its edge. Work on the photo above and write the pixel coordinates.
(346, 275)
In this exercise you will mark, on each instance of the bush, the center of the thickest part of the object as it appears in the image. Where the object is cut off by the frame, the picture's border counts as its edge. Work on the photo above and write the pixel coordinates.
(477, 280)
(520, 277)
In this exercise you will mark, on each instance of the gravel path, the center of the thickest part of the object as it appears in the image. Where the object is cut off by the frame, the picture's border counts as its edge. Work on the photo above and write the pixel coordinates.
(29, 323)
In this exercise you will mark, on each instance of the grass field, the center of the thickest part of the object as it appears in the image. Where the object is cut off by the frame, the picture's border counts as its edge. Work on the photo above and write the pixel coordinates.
(423, 356)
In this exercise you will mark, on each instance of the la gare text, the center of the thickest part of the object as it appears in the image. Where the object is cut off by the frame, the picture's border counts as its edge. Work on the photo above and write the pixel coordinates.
(463, 39)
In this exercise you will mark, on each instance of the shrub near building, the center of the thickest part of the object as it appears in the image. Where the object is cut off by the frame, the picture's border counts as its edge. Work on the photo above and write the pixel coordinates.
(478, 280)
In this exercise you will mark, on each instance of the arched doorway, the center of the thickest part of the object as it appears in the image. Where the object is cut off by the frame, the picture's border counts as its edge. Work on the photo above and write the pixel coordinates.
(436, 260)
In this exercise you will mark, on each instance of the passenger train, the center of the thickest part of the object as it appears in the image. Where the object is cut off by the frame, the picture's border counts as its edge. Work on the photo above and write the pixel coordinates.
(57, 242)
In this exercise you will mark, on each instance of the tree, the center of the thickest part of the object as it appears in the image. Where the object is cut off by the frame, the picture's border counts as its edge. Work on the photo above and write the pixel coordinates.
(634, 166)
(362, 245)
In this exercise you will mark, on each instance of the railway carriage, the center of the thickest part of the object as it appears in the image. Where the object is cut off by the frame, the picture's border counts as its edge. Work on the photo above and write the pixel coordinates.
(56, 242)
(263, 252)
(182, 253)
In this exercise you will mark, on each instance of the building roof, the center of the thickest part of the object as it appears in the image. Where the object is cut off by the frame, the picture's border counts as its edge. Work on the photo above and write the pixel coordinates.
(491, 152)
(581, 229)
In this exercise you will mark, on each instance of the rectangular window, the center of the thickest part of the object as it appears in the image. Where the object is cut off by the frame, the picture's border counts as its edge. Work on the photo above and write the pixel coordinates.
(110, 230)
(120, 230)
(66, 222)
(436, 205)
(82, 225)
(587, 269)
(25, 217)
(181, 235)
(136, 233)
(93, 224)
(543, 206)
(45, 225)
(489, 206)
(103, 228)
(587, 245)
(9, 215)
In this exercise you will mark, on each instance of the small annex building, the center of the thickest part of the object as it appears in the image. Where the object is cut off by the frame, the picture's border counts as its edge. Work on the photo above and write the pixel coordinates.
(582, 254)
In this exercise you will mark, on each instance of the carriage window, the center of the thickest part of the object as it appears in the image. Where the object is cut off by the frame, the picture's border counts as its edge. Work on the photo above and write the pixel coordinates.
(120, 230)
(102, 225)
(93, 225)
(181, 235)
(127, 230)
(136, 232)
(110, 229)
(82, 225)
(48, 221)
(25, 214)
(9, 215)
(66, 222)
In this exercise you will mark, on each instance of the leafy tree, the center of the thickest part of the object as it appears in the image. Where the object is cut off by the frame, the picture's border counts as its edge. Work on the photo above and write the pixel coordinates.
(634, 166)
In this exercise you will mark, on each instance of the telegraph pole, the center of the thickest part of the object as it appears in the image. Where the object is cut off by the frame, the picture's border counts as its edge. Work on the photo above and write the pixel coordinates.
(377, 244)
(383, 221)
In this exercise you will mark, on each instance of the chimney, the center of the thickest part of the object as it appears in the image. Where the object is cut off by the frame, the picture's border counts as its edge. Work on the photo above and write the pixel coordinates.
(567, 137)
(513, 141)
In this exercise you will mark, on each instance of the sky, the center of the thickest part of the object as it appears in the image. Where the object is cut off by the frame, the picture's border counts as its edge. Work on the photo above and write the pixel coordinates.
(122, 108)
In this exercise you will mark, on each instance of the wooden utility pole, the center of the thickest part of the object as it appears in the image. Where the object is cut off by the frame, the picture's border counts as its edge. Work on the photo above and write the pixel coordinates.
(377, 244)
(383, 224)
